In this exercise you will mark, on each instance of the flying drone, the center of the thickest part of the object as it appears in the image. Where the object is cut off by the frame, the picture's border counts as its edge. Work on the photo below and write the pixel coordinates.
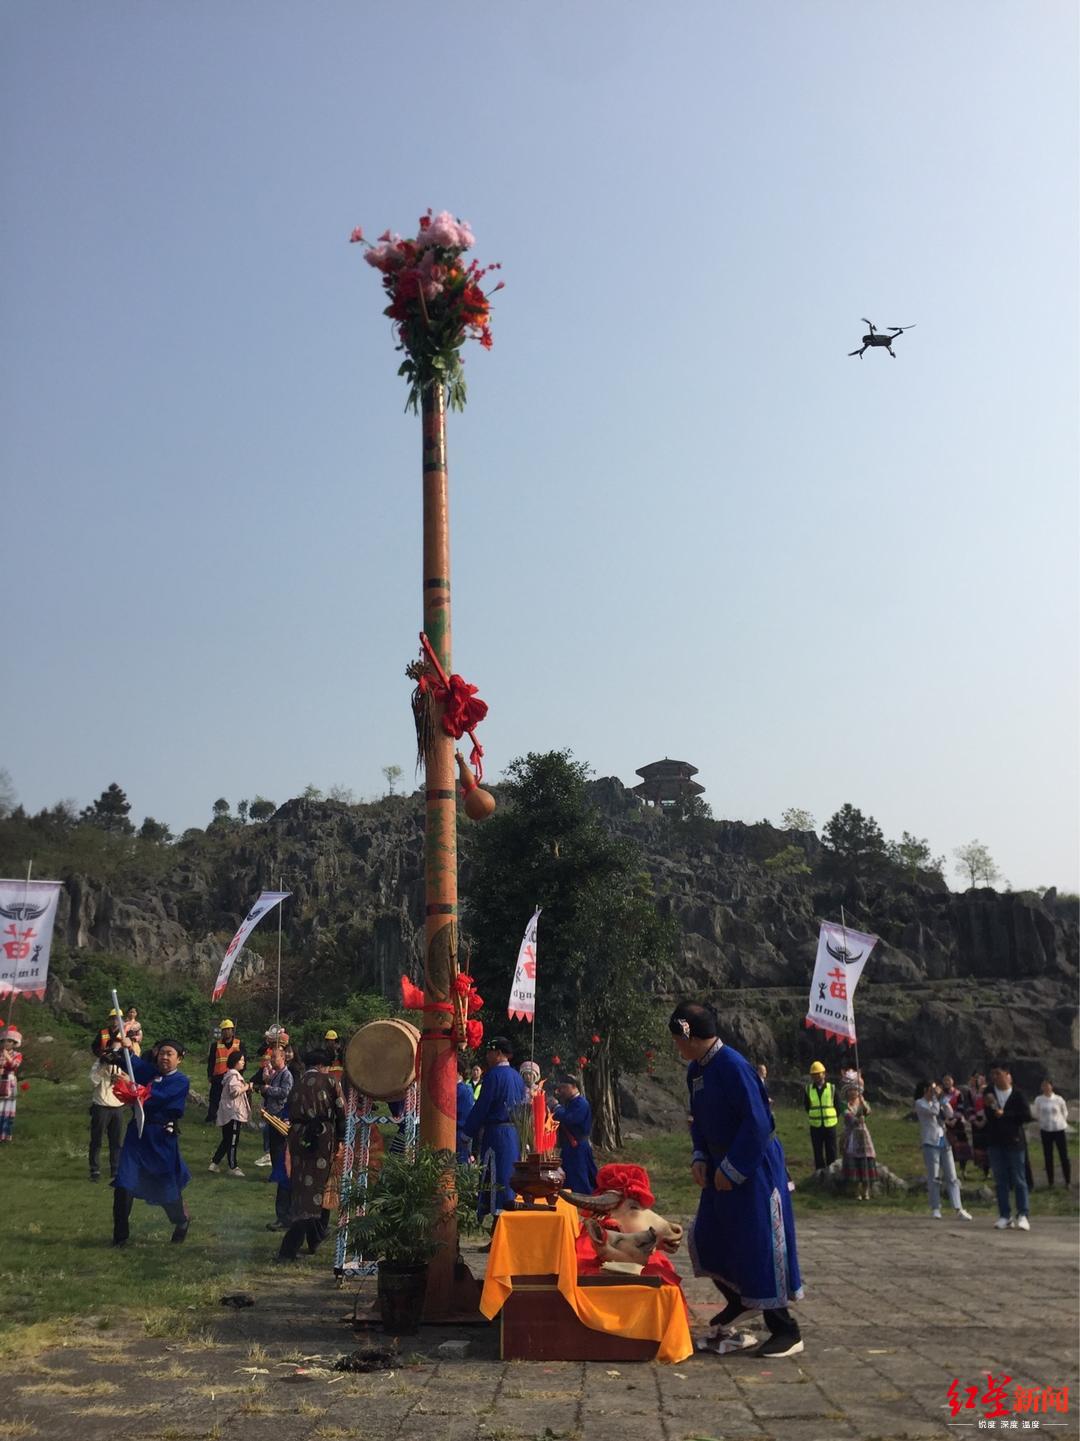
(875, 339)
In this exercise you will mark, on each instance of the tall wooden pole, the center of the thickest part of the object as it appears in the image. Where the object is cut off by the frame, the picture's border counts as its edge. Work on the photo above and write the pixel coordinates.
(438, 1076)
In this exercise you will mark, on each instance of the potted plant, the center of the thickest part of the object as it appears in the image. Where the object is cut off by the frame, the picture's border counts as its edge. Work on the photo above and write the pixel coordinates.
(403, 1206)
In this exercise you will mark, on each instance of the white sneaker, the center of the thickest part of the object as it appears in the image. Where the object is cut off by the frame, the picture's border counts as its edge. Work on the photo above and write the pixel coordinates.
(727, 1343)
(1003, 1224)
(264, 1159)
(1023, 1224)
(962, 1215)
(936, 1215)
(236, 1171)
(214, 1167)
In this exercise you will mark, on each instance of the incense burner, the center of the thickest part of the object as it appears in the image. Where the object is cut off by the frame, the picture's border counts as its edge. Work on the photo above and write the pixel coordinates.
(536, 1179)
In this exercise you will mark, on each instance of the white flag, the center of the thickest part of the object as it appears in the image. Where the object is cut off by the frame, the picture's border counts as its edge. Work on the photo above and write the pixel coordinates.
(27, 913)
(266, 902)
(522, 1005)
(841, 955)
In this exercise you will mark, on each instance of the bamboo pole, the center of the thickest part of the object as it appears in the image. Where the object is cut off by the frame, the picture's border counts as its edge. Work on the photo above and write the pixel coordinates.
(438, 1088)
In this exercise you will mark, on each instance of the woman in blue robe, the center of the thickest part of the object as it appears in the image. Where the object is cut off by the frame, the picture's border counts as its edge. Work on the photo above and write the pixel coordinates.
(744, 1234)
(465, 1102)
(490, 1123)
(151, 1168)
(574, 1117)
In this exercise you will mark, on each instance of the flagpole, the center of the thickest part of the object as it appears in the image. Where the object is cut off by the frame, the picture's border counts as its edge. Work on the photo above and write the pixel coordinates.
(281, 907)
(851, 1011)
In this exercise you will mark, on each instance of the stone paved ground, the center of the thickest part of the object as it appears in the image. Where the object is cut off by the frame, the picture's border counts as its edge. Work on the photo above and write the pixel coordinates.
(896, 1308)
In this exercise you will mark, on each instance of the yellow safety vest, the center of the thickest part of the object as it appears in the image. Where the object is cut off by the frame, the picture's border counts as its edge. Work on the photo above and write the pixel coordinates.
(822, 1105)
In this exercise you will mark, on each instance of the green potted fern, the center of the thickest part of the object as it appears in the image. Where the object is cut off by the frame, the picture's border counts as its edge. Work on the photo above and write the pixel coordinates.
(403, 1206)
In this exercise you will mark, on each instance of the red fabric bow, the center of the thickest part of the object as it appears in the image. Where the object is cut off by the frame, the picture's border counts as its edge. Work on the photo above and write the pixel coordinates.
(463, 984)
(124, 1091)
(632, 1181)
(412, 997)
(474, 1034)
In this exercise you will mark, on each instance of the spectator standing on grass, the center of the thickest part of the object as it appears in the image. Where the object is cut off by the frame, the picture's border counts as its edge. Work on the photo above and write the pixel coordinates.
(933, 1113)
(974, 1107)
(10, 1061)
(820, 1102)
(860, 1158)
(133, 1029)
(276, 1089)
(217, 1063)
(1052, 1114)
(106, 1115)
(956, 1127)
(1005, 1115)
(109, 1035)
(233, 1113)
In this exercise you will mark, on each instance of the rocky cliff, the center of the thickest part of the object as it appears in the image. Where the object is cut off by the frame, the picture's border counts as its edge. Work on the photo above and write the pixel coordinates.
(957, 976)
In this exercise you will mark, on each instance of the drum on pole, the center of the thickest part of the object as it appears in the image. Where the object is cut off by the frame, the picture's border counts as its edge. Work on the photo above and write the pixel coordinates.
(381, 1058)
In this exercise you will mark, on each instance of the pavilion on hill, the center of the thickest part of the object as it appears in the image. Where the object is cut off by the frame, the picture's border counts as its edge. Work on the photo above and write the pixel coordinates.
(664, 783)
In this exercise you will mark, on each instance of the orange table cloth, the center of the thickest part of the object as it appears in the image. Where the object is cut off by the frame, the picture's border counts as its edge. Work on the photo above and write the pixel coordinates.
(532, 1243)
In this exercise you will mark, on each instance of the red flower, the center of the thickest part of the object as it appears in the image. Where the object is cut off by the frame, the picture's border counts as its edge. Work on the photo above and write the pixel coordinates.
(25, 1086)
(474, 1034)
(595, 1040)
(476, 1002)
(649, 1055)
(583, 1060)
(463, 984)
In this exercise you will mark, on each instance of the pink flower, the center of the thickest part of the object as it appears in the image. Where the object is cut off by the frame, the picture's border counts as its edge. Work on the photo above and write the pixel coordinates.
(443, 230)
(357, 234)
(385, 235)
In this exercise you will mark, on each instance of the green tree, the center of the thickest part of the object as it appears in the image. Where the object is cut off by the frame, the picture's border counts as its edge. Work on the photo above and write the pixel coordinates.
(242, 811)
(791, 861)
(221, 809)
(393, 774)
(853, 842)
(975, 861)
(342, 794)
(261, 809)
(311, 792)
(8, 794)
(156, 831)
(796, 819)
(109, 812)
(912, 855)
(600, 942)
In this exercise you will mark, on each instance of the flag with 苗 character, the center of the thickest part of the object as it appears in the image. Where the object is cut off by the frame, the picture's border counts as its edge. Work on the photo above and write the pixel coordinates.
(841, 955)
(27, 913)
(523, 990)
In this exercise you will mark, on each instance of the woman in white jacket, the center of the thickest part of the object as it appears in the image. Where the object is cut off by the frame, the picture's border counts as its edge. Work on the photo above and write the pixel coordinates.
(234, 1112)
(1052, 1114)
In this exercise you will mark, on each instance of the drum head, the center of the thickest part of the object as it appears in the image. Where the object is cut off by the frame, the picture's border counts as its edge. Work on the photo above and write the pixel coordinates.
(380, 1060)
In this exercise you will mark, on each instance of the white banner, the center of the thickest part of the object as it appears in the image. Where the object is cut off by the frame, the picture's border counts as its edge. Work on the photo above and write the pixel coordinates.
(522, 1005)
(841, 955)
(27, 913)
(266, 902)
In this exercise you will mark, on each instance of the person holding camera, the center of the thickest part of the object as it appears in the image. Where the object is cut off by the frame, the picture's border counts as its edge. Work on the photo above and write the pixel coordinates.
(934, 1113)
(1005, 1114)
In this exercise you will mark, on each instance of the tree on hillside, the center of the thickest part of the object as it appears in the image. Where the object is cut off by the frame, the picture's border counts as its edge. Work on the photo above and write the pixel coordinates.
(791, 861)
(975, 861)
(242, 811)
(109, 812)
(343, 794)
(913, 855)
(261, 809)
(156, 831)
(393, 775)
(221, 809)
(8, 794)
(311, 792)
(796, 819)
(600, 938)
(853, 842)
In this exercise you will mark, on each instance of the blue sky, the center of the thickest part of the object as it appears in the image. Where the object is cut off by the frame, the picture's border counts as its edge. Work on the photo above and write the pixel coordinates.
(684, 521)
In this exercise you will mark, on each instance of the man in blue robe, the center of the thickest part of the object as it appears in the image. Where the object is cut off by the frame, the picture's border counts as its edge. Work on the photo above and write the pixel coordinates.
(490, 1123)
(574, 1117)
(744, 1234)
(151, 1167)
(465, 1102)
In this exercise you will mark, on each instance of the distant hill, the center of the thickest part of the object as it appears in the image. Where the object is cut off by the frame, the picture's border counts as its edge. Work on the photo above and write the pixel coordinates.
(958, 975)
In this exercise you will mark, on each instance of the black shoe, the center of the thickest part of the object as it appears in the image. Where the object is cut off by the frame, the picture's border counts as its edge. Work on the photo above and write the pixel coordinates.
(282, 1260)
(119, 1240)
(275, 1226)
(180, 1233)
(95, 1175)
(730, 1314)
(785, 1343)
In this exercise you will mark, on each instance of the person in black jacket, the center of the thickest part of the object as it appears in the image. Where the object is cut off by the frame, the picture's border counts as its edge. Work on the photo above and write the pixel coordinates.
(1006, 1113)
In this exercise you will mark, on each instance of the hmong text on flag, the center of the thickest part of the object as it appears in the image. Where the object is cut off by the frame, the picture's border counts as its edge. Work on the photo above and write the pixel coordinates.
(266, 902)
(523, 992)
(27, 913)
(841, 955)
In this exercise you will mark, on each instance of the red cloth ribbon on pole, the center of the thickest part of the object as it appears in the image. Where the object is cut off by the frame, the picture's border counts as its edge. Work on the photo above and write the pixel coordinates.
(463, 709)
(124, 1091)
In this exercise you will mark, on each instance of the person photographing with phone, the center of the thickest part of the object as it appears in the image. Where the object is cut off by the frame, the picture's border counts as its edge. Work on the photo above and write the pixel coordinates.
(1006, 1113)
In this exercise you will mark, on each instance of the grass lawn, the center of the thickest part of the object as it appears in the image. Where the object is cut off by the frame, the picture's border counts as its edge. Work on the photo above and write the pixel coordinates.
(57, 1260)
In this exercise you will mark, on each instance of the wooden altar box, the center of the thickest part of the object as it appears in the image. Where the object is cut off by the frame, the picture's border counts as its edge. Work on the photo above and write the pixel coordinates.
(537, 1324)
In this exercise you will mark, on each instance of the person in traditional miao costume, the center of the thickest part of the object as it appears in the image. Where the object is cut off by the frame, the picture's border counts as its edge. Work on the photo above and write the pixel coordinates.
(491, 1124)
(10, 1061)
(151, 1168)
(860, 1158)
(316, 1129)
(465, 1102)
(743, 1236)
(573, 1115)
